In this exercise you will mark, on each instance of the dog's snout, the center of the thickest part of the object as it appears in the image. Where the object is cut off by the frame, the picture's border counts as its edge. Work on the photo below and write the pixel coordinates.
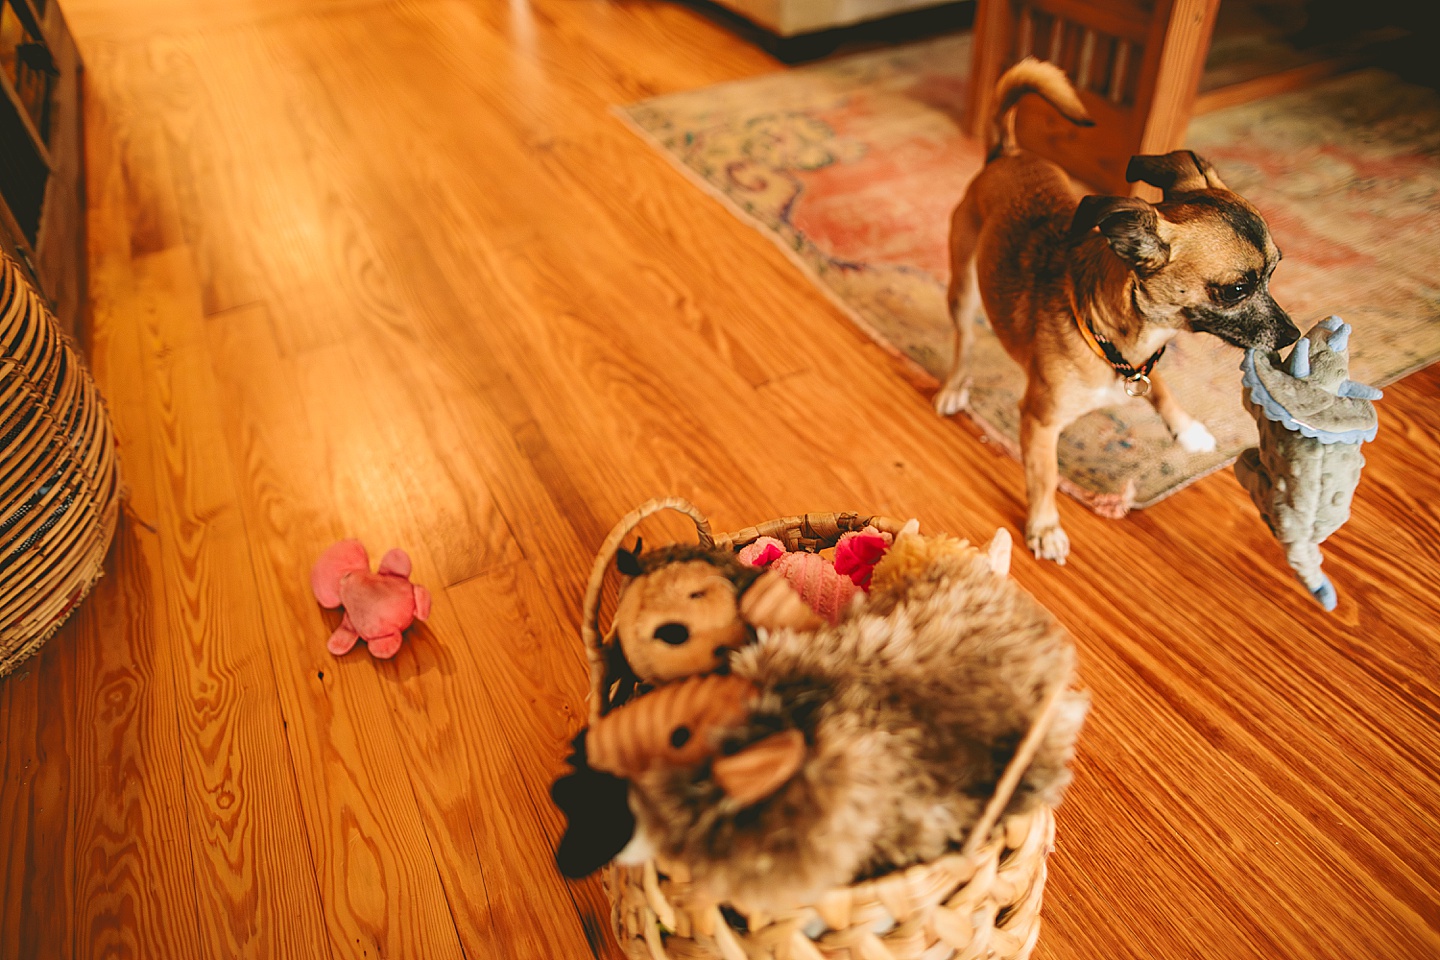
(1286, 332)
(672, 633)
(1277, 323)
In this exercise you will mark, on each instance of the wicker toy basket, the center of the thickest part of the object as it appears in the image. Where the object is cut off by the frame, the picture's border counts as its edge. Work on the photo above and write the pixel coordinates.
(982, 901)
(59, 488)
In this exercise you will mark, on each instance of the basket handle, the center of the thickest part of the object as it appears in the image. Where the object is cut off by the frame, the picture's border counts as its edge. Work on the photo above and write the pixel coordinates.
(1019, 763)
(590, 615)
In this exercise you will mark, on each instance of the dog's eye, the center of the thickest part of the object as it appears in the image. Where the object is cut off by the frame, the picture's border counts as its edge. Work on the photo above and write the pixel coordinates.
(1232, 293)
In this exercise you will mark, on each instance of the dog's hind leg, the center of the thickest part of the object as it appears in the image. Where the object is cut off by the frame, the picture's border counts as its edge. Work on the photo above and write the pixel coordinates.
(1190, 433)
(963, 299)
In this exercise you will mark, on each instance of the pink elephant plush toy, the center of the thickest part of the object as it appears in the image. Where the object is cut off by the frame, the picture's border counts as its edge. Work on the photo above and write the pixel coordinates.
(828, 587)
(378, 606)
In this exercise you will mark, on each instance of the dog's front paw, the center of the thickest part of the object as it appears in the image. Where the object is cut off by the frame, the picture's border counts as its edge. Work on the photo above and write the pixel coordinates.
(951, 400)
(1048, 542)
(1195, 438)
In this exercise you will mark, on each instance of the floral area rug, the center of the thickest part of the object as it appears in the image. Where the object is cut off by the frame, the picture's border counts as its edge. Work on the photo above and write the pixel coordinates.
(853, 166)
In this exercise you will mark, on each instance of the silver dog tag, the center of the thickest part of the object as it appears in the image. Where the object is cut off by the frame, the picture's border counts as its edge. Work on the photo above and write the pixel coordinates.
(1137, 386)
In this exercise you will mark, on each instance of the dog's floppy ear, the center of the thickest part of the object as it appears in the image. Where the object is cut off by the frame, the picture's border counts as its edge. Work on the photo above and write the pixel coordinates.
(1180, 171)
(1131, 226)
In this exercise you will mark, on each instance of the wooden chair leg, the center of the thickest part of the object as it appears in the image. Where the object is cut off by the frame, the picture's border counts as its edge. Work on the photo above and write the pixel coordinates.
(1181, 33)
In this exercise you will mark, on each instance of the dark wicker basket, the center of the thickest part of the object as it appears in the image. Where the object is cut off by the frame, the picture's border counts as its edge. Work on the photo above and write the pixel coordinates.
(59, 484)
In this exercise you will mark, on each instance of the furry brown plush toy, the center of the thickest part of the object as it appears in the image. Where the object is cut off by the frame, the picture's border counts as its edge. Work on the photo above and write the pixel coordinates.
(677, 725)
(910, 710)
(682, 613)
(685, 609)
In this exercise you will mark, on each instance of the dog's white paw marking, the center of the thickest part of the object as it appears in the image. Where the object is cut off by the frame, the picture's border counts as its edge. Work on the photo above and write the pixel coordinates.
(1195, 438)
(951, 400)
(1049, 543)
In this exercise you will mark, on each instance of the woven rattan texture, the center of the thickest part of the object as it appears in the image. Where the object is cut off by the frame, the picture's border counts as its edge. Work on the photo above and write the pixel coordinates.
(986, 905)
(59, 484)
(960, 908)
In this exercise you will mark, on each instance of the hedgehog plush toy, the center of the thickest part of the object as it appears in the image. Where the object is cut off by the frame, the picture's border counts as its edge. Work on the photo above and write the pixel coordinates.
(850, 749)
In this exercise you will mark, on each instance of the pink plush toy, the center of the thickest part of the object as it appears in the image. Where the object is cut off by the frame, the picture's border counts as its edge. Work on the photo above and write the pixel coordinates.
(378, 606)
(828, 588)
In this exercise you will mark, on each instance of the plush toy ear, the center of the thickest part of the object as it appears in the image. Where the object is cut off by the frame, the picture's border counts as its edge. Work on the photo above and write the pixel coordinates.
(1131, 227)
(347, 556)
(598, 819)
(1358, 391)
(756, 772)
(618, 669)
(997, 553)
(396, 562)
(1180, 171)
(628, 561)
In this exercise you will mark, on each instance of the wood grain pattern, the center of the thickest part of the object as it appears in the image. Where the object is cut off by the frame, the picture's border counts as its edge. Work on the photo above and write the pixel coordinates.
(372, 857)
(36, 736)
(255, 888)
(390, 269)
(133, 879)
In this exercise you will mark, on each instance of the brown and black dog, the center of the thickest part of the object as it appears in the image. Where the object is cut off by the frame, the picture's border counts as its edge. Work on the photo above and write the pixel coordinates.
(1086, 296)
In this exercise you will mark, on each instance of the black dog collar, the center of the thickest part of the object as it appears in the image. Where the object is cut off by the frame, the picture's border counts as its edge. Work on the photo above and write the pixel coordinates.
(1137, 379)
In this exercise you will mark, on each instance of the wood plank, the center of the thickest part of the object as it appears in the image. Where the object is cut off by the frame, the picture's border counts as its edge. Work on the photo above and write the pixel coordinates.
(134, 892)
(145, 19)
(254, 876)
(469, 800)
(36, 813)
(375, 866)
(536, 694)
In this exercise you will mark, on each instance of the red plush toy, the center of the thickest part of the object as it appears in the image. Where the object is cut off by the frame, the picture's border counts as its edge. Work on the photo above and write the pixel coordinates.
(829, 588)
(378, 606)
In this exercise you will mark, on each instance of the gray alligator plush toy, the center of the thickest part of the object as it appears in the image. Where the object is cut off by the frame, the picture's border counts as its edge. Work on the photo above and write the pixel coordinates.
(1312, 419)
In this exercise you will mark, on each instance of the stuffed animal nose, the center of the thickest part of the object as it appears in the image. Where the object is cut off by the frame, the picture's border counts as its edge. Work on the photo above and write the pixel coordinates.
(672, 633)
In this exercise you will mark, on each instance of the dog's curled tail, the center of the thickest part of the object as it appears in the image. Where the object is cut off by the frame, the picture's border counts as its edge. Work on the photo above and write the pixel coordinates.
(1030, 76)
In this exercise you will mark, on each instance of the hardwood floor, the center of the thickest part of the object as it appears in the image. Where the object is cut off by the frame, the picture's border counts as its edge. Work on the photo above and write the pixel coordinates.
(390, 269)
